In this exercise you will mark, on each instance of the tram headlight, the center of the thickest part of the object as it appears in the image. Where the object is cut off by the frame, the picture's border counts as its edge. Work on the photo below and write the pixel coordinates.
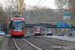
(14, 30)
(17, 30)
(20, 30)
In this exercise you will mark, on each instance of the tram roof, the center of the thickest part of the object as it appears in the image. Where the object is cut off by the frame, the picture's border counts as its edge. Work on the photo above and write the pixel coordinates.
(17, 18)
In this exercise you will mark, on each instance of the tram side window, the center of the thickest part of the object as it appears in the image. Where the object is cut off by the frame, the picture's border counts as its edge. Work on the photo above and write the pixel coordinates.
(37, 28)
(23, 25)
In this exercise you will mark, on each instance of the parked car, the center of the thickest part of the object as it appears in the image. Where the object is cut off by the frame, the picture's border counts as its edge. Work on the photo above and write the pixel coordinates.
(69, 34)
(49, 33)
(2, 33)
(73, 32)
(60, 34)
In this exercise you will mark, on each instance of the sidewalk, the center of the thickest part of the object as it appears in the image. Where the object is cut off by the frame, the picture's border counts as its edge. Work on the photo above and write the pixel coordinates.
(5, 44)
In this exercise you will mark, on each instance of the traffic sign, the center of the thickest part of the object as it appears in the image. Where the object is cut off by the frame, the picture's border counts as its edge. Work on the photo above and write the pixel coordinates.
(69, 25)
(66, 15)
(58, 24)
(63, 24)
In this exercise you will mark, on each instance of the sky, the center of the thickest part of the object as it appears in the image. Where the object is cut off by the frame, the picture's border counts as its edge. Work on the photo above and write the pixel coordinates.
(42, 3)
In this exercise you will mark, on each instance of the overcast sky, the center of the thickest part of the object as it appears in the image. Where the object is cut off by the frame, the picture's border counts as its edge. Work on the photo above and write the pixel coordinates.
(47, 3)
(44, 3)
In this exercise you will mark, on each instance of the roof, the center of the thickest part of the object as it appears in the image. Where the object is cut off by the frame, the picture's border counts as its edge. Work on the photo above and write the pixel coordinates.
(17, 18)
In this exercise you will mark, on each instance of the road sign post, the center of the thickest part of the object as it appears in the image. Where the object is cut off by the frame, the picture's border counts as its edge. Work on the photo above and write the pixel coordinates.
(45, 31)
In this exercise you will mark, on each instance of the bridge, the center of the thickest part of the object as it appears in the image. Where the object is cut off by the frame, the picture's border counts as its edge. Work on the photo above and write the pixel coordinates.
(29, 24)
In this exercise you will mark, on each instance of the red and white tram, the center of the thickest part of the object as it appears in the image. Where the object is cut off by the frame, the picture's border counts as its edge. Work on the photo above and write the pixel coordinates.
(39, 30)
(17, 27)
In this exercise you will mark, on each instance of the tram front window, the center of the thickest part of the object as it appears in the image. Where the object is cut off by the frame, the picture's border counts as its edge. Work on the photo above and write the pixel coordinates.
(37, 28)
(17, 24)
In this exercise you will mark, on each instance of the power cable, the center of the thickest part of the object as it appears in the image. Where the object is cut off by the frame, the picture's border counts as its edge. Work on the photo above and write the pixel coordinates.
(36, 5)
(43, 2)
(38, 2)
(32, 11)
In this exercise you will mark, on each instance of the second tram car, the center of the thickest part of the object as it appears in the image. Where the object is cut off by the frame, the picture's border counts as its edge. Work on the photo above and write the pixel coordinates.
(17, 27)
(39, 30)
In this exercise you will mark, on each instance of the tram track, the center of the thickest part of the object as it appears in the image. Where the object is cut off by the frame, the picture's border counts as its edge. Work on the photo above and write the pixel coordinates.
(21, 44)
(49, 41)
(16, 44)
(25, 45)
(36, 43)
(43, 44)
(32, 44)
(46, 44)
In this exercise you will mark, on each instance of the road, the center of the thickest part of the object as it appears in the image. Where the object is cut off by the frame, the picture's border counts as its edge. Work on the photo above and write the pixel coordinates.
(67, 38)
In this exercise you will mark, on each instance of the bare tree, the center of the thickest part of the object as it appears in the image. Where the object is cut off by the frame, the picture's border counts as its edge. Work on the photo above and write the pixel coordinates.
(16, 5)
(70, 5)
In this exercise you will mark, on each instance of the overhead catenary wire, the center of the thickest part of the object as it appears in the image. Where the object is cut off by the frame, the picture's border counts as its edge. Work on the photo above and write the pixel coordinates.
(38, 2)
(36, 5)
(32, 11)
(43, 2)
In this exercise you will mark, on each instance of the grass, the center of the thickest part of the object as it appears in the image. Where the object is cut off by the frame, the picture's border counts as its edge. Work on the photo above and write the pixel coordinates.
(1, 40)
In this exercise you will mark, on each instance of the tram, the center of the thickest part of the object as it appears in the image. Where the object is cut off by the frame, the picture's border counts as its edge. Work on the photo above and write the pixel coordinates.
(17, 27)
